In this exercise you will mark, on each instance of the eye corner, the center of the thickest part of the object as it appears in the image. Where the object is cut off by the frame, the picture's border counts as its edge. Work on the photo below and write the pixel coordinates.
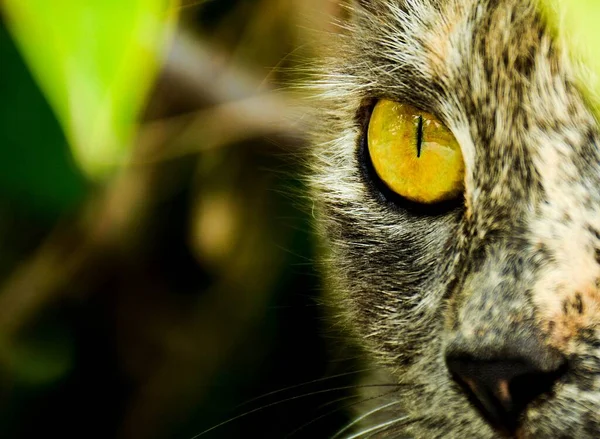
(363, 113)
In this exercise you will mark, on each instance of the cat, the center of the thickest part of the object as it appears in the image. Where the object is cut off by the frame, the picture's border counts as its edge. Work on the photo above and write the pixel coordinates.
(477, 314)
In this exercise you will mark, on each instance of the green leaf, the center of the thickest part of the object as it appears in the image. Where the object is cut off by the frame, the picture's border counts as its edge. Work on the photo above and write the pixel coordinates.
(577, 23)
(95, 60)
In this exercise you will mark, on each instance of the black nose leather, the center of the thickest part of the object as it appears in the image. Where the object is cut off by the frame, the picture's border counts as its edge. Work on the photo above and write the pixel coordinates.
(501, 389)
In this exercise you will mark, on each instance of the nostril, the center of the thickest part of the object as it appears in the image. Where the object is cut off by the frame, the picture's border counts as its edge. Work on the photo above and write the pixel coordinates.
(502, 389)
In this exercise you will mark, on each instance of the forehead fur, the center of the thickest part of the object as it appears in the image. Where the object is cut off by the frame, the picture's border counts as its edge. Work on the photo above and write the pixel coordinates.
(491, 70)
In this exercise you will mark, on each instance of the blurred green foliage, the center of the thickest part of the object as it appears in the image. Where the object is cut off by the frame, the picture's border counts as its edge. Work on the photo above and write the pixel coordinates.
(95, 61)
(576, 22)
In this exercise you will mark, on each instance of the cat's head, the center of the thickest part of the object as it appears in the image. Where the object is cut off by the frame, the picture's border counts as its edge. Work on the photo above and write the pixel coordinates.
(484, 308)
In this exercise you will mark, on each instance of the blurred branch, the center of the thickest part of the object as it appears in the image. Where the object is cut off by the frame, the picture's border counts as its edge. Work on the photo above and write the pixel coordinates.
(40, 279)
(236, 111)
(225, 124)
(205, 72)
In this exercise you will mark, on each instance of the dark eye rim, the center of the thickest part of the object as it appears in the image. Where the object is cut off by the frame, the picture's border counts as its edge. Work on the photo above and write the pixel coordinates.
(379, 189)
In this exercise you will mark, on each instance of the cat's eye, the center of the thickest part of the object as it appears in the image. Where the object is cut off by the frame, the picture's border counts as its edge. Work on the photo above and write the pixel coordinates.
(414, 153)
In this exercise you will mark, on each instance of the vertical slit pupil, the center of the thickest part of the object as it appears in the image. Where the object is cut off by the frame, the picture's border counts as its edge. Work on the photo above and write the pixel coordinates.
(419, 135)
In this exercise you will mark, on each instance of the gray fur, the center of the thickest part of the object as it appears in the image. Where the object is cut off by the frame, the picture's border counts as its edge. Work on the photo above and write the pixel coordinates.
(513, 269)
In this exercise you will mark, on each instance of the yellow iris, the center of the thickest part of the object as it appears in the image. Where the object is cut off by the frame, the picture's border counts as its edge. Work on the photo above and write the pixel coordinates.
(414, 154)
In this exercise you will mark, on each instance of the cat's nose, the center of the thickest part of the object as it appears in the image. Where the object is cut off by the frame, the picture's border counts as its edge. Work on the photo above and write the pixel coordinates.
(502, 387)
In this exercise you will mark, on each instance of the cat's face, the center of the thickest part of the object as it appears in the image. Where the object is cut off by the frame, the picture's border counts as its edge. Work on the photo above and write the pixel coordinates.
(486, 311)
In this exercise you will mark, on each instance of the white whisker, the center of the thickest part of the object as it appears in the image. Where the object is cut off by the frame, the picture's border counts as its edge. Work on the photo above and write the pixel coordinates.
(377, 427)
(357, 420)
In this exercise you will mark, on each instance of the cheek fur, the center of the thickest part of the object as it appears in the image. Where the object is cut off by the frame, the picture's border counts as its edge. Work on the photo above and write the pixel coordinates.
(567, 293)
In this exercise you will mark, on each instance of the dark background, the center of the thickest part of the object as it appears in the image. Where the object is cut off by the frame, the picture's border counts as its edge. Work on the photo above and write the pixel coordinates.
(157, 304)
